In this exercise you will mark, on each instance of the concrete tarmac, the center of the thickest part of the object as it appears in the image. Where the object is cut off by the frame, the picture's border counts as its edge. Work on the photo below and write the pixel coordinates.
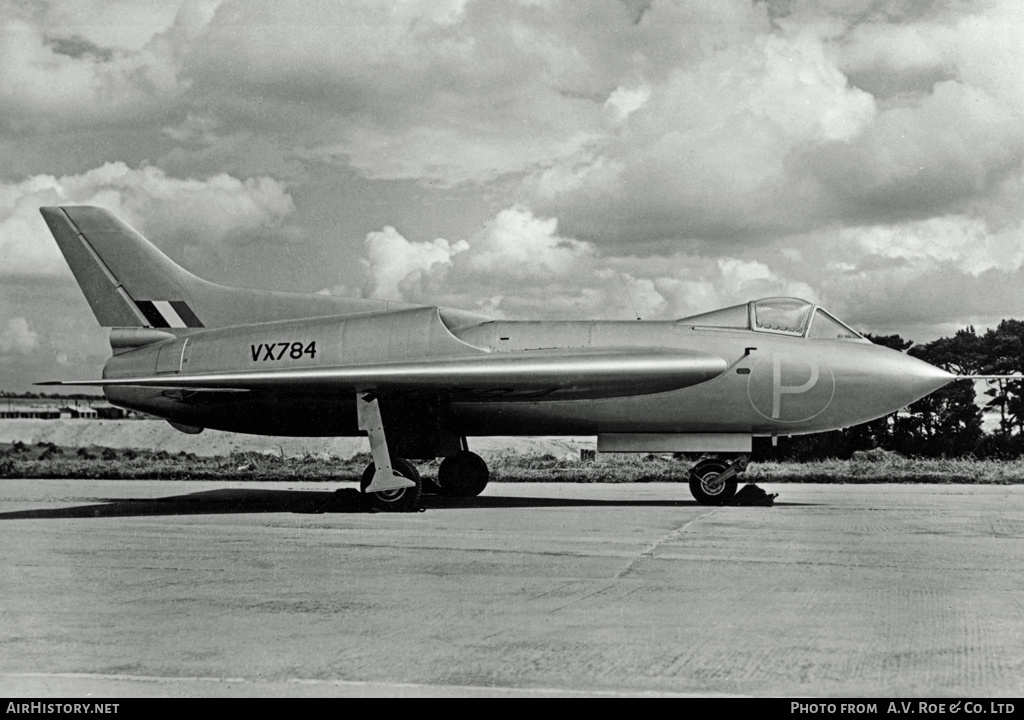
(119, 588)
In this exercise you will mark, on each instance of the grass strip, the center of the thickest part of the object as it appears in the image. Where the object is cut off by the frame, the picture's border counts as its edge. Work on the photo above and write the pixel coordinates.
(46, 460)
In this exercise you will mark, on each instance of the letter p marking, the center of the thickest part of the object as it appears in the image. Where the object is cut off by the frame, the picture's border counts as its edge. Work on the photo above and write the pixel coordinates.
(778, 389)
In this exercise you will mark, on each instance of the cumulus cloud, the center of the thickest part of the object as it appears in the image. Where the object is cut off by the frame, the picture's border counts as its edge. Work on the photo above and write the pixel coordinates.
(881, 278)
(951, 270)
(18, 338)
(709, 152)
(956, 145)
(457, 91)
(187, 210)
(640, 121)
(890, 60)
(924, 302)
(129, 26)
(394, 264)
(52, 76)
(518, 265)
(692, 153)
(966, 241)
(194, 130)
(859, 114)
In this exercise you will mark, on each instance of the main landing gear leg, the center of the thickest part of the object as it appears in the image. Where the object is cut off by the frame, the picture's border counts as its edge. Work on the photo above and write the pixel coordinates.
(391, 484)
(713, 481)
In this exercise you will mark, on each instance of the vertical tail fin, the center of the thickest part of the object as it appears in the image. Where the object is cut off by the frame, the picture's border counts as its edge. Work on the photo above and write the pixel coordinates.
(127, 281)
(130, 283)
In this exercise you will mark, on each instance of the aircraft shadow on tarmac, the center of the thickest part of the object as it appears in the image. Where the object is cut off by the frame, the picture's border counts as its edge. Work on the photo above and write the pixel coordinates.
(235, 500)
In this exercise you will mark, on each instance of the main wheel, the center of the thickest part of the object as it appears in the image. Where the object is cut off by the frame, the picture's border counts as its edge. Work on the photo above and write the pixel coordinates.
(705, 485)
(463, 474)
(400, 500)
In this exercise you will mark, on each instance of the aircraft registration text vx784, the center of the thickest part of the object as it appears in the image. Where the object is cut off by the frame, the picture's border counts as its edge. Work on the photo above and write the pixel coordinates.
(420, 380)
(281, 350)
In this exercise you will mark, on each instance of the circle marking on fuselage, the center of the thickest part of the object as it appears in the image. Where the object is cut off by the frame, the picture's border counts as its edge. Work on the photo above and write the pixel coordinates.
(790, 388)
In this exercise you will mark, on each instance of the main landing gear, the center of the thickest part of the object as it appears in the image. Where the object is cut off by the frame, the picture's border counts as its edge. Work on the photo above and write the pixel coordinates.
(713, 481)
(463, 474)
(393, 484)
(402, 499)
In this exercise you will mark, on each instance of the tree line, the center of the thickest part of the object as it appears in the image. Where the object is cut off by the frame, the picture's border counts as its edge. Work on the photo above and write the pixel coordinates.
(947, 423)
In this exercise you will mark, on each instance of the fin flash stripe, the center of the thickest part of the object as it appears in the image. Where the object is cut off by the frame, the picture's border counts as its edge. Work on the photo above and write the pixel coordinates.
(168, 314)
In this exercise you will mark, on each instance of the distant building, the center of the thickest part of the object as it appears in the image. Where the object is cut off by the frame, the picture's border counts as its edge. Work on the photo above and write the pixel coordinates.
(33, 412)
(81, 412)
(106, 411)
(12, 408)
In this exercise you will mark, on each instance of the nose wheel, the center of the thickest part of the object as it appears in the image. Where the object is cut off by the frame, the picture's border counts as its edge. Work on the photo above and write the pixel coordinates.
(714, 481)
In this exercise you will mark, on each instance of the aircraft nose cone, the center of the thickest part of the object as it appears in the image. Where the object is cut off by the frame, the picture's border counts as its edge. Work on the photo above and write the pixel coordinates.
(924, 378)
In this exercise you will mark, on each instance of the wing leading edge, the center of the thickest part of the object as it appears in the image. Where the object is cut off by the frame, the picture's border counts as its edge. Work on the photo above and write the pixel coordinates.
(529, 375)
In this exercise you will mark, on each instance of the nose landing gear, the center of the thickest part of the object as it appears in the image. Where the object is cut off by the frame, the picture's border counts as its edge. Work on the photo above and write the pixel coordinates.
(713, 481)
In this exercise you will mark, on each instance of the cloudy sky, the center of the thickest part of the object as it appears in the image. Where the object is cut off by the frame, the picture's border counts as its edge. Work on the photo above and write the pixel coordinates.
(523, 158)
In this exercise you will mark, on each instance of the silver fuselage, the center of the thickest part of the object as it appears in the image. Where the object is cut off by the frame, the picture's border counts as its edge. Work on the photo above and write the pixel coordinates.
(774, 385)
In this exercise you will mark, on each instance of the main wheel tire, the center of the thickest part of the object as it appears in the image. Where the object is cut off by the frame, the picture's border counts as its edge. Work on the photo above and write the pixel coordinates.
(463, 474)
(400, 500)
(705, 485)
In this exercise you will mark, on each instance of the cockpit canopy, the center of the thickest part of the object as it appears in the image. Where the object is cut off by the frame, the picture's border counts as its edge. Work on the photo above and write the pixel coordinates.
(779, 315)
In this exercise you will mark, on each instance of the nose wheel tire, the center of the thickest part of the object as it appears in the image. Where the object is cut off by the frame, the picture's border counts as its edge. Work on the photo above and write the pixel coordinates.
(706, 486)
(400, 500)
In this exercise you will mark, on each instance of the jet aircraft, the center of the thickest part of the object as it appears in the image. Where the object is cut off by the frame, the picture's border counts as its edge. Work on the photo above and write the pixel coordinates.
(419, 381)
